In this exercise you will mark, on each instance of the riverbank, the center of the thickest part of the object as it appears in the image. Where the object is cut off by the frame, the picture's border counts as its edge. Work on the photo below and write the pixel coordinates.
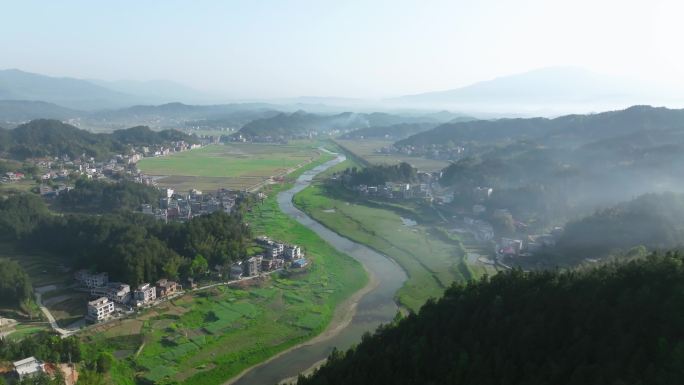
(431, 261)
(341, 319)
(360, 312)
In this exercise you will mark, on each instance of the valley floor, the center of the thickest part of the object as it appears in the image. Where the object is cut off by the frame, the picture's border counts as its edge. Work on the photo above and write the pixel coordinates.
(432, 258)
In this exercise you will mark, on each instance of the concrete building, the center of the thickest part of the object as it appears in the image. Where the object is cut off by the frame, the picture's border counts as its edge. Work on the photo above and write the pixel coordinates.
(100, 309)
(88, 279)
(144, 294)
(28, 367)
(115, 291)
(293, 252)
(236, 270)
(166, 288)
(252, 266)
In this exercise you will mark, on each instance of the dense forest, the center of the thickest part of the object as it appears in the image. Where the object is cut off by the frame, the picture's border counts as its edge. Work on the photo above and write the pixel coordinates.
(90, 196)
(376, 175)
(132, 247)
(15, 284)
(44, 137)
(617, 324)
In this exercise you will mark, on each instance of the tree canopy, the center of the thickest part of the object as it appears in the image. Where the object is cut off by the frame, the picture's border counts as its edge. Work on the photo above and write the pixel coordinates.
(617, 324)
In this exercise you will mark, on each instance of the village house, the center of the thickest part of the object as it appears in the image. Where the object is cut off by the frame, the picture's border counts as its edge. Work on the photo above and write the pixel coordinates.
(272, 264)
(236, 270)
(99, 309)
(166, 288)
(28, 367)
(293, 252)
(252, 266)
(91, 280)
(144, 294)
(115, 291)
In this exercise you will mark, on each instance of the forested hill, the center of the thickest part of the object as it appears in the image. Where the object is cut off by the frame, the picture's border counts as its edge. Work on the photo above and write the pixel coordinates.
(613, 325)
(45, 137)
(298, 124)
(655, 221)
(570, 129)
(302, 123)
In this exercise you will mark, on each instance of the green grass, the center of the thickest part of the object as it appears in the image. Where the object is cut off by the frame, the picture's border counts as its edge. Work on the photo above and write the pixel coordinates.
(432, 260)
(24, 330)
(210, 336)
(238, 165)
(365, 149)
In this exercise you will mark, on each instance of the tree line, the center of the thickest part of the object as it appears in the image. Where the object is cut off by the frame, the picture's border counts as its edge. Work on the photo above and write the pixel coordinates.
(91, 196)
(376, 175)
(131, 247)
(616, 324)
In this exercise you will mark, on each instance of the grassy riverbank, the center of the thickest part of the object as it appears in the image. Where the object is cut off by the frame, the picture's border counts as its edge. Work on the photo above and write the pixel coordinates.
(431, 258)
(210, 336)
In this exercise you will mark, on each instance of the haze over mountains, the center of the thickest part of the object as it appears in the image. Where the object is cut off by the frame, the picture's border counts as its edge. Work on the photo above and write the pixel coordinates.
(545, 92)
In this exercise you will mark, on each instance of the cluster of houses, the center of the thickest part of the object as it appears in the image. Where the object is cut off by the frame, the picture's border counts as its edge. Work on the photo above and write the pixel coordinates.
(110, 297)
(508, 248)
(391, 190)
(430, 151)
(61, 168)
(276, 256)
(182, 207)
(107, 296)
(11, 177)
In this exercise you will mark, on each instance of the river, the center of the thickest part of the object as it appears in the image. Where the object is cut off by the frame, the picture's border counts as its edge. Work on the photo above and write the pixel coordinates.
(375, 307)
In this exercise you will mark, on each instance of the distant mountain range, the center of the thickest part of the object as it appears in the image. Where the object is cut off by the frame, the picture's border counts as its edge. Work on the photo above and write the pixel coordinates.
(83, 94)
(548, 89)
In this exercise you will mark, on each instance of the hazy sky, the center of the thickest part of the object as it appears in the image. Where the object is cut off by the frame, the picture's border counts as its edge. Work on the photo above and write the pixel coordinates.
(354, 48)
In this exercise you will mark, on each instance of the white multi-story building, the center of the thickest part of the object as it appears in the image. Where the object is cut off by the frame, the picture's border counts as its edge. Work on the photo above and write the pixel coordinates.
(100, 309)
(145, 293)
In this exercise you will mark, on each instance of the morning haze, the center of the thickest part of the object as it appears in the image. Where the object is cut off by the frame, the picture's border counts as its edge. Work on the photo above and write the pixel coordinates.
(305, 192)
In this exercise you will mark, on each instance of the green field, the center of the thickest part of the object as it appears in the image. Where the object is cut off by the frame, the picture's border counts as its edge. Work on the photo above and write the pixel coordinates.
(365, 149)
(235, 166)
(432, 258)
(208, 337)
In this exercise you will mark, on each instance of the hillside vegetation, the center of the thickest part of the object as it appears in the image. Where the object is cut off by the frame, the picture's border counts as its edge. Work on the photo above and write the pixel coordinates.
(619, 324)
(45, 137)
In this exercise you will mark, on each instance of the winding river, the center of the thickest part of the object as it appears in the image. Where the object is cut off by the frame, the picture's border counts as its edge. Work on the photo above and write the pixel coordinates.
(374, 307)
